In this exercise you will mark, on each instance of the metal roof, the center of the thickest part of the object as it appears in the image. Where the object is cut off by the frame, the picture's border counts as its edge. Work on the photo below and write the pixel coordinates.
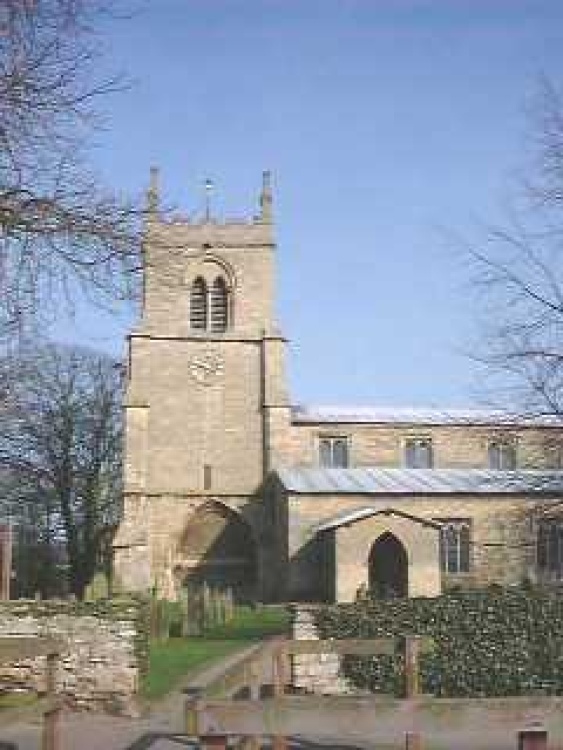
(401, 481)
(302, 414)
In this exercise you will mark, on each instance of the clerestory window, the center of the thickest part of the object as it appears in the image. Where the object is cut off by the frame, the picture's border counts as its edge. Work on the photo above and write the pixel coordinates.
(333, 451)
(418, 453)
(502, 455)
(455, 542)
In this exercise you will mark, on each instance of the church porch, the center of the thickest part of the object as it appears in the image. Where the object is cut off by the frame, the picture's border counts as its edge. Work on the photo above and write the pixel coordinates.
(386, 552)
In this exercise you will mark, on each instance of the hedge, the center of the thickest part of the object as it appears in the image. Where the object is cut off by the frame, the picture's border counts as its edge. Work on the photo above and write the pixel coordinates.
(487, 643)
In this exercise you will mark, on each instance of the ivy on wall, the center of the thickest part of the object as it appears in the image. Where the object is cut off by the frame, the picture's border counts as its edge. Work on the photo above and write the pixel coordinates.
(487, 643)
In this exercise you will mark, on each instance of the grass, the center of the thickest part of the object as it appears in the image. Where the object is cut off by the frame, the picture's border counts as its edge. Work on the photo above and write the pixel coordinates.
(252, 624)
(171, 660)
(17, 700)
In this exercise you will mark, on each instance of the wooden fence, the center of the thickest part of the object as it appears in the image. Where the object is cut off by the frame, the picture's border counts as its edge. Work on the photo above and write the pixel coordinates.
(246, 676)
(410, 646)
(533, 738)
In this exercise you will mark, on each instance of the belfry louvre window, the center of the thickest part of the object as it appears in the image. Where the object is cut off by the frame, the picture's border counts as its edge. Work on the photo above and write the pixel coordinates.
(549, 550)
(219, 301)
(333, 451)
(198, 304)
(455, 541)
(418, 453)
(502, 455)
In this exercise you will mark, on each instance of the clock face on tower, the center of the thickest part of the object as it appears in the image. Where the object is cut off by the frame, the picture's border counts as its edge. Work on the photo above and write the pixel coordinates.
(206, 367)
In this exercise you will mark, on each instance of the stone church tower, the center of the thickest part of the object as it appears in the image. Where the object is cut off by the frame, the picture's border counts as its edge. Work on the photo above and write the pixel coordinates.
(205, 400)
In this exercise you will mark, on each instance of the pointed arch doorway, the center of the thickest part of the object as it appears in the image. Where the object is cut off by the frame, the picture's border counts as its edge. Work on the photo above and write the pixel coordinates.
(217, 548)
(388, 568)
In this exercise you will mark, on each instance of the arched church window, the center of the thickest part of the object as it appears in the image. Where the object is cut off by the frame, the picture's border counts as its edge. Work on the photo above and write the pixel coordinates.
(198, 304)
(455, 545)
(219, 313)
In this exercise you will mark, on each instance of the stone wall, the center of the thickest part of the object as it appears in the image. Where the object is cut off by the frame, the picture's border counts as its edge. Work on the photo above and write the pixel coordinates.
(104, 656)
(463, 446)
(314, 673)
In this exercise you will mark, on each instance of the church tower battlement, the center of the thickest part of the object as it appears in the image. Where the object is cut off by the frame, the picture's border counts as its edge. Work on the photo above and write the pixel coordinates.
(232, 259)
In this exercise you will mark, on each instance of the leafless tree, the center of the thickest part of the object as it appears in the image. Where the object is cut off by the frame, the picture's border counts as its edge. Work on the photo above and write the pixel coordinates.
(58, 227)
(518, 270)
(60, 451)
(520, 276)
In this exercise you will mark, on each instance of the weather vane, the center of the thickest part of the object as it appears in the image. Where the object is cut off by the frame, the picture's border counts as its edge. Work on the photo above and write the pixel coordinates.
(209, 186)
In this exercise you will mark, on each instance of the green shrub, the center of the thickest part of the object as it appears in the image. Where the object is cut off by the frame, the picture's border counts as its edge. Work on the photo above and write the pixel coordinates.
(487, 643)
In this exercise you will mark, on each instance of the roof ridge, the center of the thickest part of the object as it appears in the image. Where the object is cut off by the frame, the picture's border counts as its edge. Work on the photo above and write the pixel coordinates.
(419, 414)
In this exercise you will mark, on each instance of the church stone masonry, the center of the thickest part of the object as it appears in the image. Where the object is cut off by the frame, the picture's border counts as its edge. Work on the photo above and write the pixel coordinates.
(227, 481)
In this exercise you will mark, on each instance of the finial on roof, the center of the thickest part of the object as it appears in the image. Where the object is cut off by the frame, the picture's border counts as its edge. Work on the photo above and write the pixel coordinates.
(209, 187)
(266, 197)
(152, 192)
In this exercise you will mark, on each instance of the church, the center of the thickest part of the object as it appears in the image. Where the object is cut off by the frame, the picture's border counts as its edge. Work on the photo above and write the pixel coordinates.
(228, 481)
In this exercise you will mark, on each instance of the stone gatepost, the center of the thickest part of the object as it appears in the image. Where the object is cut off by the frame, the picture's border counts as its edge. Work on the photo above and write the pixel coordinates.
(314, 673)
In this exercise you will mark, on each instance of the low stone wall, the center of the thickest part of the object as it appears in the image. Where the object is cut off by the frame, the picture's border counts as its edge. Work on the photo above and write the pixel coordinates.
(315, 673)
(105, 652)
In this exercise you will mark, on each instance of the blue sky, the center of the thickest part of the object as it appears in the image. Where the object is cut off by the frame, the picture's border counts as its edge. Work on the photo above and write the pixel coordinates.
(388, 125)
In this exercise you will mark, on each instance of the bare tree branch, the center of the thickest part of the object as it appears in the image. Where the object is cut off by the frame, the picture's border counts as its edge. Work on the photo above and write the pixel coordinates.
(58, 226)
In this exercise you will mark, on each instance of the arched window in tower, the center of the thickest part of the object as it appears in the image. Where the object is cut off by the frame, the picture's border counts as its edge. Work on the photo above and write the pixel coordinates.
(198, 304)
(219, 301)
